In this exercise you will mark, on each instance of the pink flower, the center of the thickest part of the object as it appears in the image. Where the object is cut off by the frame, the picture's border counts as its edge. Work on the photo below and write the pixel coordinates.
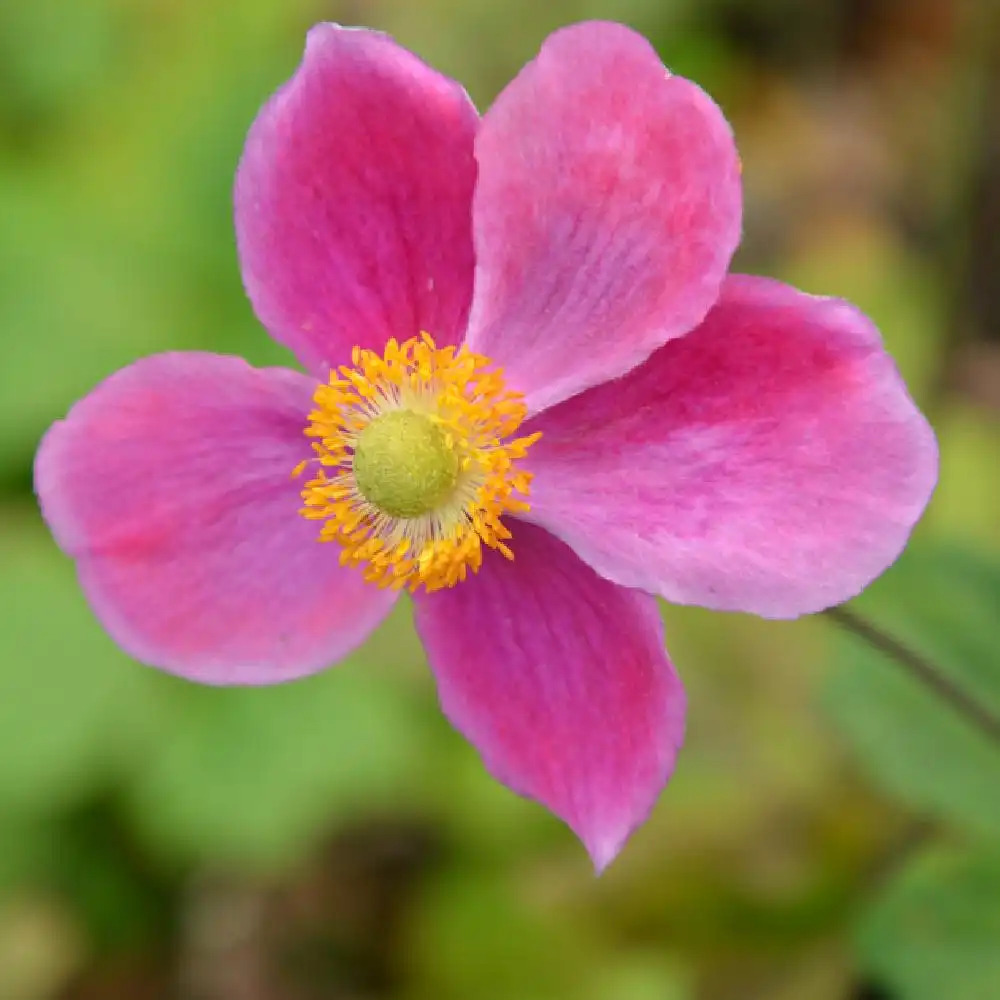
(535, 399)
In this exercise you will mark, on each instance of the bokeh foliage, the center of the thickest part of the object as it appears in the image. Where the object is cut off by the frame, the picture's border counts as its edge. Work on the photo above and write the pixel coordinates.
(831, 832)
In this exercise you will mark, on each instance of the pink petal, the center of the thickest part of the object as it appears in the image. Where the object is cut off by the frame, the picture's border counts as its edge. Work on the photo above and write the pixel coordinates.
(560, 680)
(607, 210)
(171, 486)
(353, 201)
(771, 461)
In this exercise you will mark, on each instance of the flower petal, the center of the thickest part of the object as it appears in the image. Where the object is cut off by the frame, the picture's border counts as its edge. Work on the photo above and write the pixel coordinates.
(353, 201)
(771, 461)
(606, 213)
(171, 486)
(560, 680)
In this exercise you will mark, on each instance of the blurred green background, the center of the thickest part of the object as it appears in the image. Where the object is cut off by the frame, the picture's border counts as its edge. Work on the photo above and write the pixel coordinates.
(832, 830)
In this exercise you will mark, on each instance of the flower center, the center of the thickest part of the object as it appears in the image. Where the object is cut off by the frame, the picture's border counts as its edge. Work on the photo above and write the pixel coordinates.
(403, 463)
(415, 463)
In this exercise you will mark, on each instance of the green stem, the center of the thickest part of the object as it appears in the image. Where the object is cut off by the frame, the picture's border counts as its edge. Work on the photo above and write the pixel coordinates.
(973, 711)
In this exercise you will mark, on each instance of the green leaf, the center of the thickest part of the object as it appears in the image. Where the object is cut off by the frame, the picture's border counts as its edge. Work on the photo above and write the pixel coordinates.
(73, 708)
(248, 776)
(135, 254)
(253, 776)
(640, 976)
(946, 605)
(936, 932)
(27, 846)
(74, 308)
(512, 945)
(52, 53)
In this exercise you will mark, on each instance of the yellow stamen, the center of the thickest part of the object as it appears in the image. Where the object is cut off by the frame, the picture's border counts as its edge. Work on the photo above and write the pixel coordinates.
(415, 462)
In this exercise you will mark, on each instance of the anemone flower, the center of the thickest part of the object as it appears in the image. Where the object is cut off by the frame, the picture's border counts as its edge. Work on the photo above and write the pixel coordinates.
(533, 398)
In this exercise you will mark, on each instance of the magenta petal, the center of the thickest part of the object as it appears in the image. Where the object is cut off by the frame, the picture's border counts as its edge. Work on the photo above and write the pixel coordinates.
(171, 486)
(561, 681)
(771, 461)
(353, 201)
(607, 210)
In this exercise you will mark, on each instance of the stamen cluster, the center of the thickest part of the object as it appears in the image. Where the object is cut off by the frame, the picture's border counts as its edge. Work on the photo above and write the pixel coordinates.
(464, 396)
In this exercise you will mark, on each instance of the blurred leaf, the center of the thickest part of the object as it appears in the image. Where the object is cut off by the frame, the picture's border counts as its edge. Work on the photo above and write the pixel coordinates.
(95, 865)
(640, 976)
(515, 29)
(483, 816)
(70, 48)
(129, 252)
(253, 776)
(72, 707)
(945, 604)
(965, 504)
(88, 860)
(75, 309)
(27, 846)
(935, 933)
(510, 945)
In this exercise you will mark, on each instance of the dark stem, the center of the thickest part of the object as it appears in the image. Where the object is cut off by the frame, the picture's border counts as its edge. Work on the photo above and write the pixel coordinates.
(978, 714)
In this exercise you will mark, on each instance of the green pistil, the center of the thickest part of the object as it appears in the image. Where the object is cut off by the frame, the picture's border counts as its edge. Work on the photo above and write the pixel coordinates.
(403, 465)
